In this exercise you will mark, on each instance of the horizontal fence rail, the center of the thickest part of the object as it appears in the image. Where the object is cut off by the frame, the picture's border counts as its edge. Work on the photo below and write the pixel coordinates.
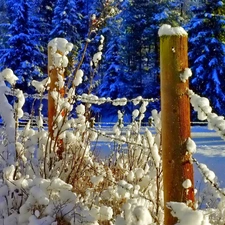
(24, 121)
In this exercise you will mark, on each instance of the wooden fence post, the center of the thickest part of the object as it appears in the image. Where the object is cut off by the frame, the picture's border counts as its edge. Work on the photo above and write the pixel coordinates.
(175, 109)
(53, 73)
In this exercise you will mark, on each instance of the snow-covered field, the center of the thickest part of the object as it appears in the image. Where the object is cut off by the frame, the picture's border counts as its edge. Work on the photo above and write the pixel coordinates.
(210, 151)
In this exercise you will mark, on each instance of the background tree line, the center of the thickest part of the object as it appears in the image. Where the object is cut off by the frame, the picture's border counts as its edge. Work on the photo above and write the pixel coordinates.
(130, 63)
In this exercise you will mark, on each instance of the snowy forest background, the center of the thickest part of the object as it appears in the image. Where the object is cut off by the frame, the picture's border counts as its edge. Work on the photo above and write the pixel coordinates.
(58, 175)
(130, 60)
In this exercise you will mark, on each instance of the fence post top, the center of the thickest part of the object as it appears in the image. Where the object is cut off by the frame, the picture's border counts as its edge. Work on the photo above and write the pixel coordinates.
(167, 30)
(61, 45)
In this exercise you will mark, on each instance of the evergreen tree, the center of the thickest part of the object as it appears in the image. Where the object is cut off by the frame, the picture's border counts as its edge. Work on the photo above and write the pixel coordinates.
(101, 11)
(45, 11)
(115, 78)
(5, 19)
(137, 19)
(67, 22)
(130, 65)
(140, 42)
(207, 49)
(114, 83)
(23, 55)
(131, 61)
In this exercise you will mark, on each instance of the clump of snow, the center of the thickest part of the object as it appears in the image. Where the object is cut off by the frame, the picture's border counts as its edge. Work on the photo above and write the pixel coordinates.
(142, 214)
(155, 155)
(135, 114)
(78, 78)
(204, 110)
(7, 115)
(8, 172)
(41, 86)
(167, 30)
(208, 174)
(137, 100)
(102, 38)
(187, 184)
(60, 44)
(80, 109)
(95, 180)
(39, 196)
(88, 40)
(150, 137)
(130, 176)
(153, 148)
(186, 74)
(216, 123)
(201, 105)
(122, 189)
(120, 102)
(105, 213)
(135, 211)
(158, 126)
(59, 47)
(19, 103)
(191, 146)
(139, 173)
(186, 215)
(98, 55)
(93, 17)
(9, 76)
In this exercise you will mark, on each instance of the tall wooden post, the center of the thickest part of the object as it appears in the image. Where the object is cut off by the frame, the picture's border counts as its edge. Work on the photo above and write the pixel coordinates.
(53, 73)
(175, 109)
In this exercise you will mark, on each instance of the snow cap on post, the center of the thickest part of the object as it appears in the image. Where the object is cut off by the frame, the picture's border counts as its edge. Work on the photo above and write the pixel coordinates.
(60, 44)
(60, 47)
(167, 30)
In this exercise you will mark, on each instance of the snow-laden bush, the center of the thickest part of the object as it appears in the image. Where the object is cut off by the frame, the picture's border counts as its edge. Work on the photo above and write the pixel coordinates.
(40, 185)
(52, 177)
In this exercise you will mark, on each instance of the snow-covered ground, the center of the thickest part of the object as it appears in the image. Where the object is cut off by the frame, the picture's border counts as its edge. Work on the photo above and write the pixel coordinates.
(210, 151)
